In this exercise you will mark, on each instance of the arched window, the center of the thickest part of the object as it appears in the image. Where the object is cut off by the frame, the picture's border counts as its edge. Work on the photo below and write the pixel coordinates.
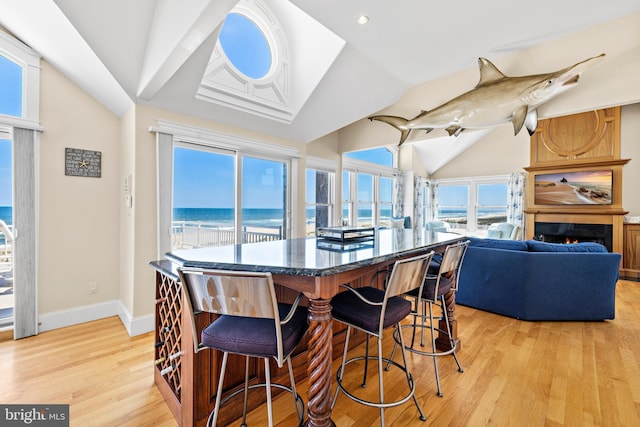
(246, 46)
(249, 66)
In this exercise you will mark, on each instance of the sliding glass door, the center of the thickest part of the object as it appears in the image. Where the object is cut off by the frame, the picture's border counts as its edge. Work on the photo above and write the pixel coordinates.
(221, 197)
(6, 233)
(264, 195)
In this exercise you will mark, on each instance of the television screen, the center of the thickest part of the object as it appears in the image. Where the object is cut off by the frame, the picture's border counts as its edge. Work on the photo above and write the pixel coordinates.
(574, 188)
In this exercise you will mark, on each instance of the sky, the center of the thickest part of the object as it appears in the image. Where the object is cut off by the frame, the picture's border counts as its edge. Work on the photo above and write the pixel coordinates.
(245, 45)
(600, 177)
(10, 104)
(204, 179)
(5, 172)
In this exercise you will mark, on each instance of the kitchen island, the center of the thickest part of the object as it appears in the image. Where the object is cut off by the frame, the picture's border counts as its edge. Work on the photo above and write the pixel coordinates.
(312, 266)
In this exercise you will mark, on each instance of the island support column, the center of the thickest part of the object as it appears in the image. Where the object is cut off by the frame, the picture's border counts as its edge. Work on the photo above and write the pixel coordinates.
(319, 358)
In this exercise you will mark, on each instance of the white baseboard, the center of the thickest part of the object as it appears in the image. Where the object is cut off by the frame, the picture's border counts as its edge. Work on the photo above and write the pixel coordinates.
(62, 318)
(135, 325)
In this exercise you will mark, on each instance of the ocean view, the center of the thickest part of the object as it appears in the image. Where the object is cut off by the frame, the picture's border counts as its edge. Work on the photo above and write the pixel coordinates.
(272, 217)
(224, 217)
(6, 214)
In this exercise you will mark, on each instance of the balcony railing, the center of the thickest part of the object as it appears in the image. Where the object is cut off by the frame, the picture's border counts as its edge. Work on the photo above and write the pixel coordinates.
(189, 234)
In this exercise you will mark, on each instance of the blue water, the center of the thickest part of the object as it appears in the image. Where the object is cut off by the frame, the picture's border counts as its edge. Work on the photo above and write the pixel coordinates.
(6, 214)
(256, 217)
(225, 216)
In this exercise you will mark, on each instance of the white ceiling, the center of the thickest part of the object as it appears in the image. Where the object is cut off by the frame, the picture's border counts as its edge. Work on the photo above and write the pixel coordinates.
(155, 51)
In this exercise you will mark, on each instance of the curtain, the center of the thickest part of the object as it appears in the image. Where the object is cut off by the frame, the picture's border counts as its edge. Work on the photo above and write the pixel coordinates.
(25, 147)
(420, 202)
(164, 157)
(432, 201)
(396, 209)
(515, 199)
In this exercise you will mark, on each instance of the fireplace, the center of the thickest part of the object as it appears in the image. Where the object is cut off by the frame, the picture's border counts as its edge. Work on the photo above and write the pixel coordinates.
(560, 232)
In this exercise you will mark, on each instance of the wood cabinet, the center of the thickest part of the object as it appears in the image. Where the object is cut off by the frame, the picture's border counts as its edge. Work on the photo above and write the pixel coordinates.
(583, 142)
(631, 251)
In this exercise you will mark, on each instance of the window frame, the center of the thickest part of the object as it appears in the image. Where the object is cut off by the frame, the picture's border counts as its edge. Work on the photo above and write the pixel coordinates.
(322, 165)
(188, 136)
(29, 60)
(352, 167)
(472, 196)
(269, 96)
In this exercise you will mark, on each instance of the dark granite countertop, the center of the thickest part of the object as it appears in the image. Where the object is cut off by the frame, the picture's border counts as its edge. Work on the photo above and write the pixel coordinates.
(307, 256)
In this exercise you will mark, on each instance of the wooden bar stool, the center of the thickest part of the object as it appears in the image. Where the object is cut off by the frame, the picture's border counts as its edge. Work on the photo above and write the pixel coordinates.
(252, 323)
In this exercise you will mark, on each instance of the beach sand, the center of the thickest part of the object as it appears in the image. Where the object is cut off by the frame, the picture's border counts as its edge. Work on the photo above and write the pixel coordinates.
(561, 194)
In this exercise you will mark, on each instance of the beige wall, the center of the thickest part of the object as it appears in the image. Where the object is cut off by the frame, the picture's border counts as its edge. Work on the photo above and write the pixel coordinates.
(78, 240)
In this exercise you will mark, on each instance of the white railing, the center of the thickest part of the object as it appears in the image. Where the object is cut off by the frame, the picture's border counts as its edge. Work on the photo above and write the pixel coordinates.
(197, 234)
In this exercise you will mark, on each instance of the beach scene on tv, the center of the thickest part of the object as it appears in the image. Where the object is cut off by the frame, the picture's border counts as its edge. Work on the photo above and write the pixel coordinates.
(574, 188)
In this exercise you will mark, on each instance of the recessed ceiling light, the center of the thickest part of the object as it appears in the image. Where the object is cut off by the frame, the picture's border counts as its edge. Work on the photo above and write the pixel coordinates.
(363, 19)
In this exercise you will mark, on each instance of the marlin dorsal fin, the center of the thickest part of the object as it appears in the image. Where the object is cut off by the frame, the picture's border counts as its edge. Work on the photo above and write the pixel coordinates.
(489, 73)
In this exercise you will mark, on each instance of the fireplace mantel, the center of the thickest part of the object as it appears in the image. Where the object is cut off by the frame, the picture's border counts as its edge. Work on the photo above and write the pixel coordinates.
(578, 143)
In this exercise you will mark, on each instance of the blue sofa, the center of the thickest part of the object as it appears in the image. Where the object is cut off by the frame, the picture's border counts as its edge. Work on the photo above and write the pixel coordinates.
(534, 280)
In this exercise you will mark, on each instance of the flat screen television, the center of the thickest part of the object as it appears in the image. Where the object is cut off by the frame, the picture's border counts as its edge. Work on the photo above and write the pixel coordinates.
(574, 188)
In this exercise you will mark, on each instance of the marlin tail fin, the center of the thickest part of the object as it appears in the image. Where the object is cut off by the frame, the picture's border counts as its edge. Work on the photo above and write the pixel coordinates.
(397, 122)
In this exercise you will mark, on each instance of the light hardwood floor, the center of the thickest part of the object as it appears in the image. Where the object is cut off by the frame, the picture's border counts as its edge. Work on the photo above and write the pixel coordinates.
(516, 374)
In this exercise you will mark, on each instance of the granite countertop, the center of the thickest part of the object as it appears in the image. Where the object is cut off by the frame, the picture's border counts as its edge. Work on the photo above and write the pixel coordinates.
(308, 256)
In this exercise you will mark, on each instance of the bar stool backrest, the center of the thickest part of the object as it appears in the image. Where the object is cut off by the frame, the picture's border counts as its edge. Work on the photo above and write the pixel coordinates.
(231, 293)
(451, 262)
(407, 274)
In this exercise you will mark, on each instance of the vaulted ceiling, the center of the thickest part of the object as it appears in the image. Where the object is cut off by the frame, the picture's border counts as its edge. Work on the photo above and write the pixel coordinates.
(156, 51)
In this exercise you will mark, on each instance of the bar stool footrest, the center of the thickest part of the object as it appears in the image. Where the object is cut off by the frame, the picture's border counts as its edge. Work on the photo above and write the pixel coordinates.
(371, 403)
(300, 406)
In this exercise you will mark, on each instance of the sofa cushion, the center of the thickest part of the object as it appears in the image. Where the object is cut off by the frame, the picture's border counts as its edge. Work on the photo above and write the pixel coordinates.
(512, 245)
(494, 234)
(536, 246)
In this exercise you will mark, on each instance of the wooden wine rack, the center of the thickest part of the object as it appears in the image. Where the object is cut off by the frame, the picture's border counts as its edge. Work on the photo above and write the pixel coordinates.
(168, 330)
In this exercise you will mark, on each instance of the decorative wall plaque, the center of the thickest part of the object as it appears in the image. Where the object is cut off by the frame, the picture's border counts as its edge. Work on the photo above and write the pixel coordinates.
(79, 162)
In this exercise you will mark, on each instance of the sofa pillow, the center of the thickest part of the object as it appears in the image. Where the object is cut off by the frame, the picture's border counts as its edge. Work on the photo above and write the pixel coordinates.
(536, 246)
(397, 222)
(512, 245)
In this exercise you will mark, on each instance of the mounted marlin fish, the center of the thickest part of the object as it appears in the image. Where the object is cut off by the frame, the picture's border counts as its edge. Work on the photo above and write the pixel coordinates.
(495, 99)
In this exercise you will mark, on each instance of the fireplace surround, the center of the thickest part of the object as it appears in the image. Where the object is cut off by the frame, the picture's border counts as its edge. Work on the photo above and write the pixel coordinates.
(584, 142)
(562, 232)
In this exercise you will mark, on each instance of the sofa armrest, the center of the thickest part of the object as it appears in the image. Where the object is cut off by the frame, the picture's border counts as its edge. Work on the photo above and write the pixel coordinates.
(571, 286)
(491, 279)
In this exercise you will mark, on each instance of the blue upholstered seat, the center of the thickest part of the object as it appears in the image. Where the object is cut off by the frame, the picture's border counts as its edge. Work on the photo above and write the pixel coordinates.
(366, 316)
(254, 336)
(251, 323)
